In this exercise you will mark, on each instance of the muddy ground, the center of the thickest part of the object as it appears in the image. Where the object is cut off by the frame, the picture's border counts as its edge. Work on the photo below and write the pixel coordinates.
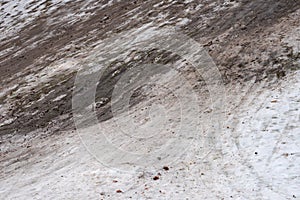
(235, 33)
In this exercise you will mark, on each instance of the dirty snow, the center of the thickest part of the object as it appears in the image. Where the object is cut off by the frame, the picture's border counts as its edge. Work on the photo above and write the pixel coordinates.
(257, 155)
(258, 159)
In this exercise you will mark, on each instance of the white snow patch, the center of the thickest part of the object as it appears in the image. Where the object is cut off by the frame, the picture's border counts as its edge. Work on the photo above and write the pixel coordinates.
(8, 121)
(59, 97)
(293, 39)
(183, 22)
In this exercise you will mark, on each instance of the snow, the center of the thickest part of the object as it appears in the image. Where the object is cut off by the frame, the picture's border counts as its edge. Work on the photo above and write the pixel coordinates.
(256, 155)
(8, 121)
(262, 119)
(59, 97)
(16, 14)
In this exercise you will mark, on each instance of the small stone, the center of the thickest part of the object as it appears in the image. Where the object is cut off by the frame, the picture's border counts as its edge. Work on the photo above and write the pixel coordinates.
(155, 178)
(166, 168)
(119, 191)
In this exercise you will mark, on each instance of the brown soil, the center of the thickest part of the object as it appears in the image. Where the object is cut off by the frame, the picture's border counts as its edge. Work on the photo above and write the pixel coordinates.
(235, 37)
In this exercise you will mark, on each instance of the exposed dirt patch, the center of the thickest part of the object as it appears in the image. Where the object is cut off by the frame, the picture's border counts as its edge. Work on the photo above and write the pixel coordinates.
(243, 37)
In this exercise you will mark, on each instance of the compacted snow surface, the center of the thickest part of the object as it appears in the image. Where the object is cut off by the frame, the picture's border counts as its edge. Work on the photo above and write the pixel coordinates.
(247, 149)
(258, 158)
